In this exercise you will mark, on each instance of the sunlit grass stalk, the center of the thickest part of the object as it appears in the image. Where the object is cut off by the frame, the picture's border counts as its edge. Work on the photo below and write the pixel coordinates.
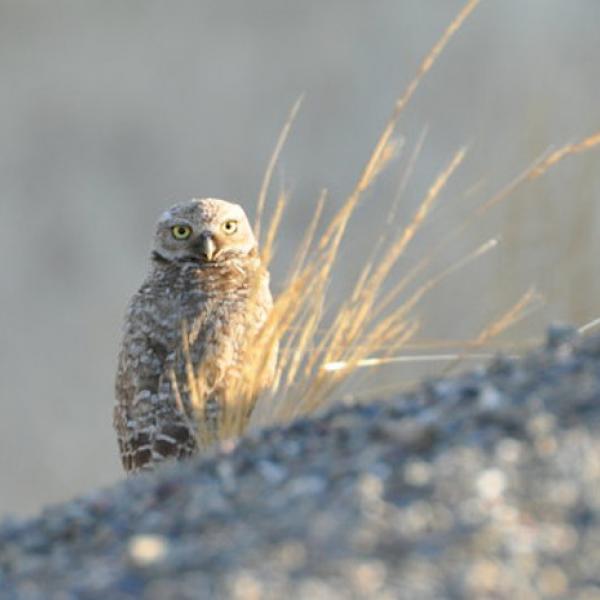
(530, 301)
(266, 182)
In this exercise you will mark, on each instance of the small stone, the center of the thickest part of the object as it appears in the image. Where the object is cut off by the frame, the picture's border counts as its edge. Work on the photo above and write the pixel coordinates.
(306, 486)
(509, 450)
(271, 472)
(541, 424)
(491, 484)
(145, 549)
(410, 433)
(370, 487)
(417, 473)
(490, 399)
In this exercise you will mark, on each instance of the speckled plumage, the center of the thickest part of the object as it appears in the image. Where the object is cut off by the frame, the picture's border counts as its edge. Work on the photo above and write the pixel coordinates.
(210, 285)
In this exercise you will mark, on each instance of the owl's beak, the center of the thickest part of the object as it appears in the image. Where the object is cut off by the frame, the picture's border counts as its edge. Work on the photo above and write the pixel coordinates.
(208, 248)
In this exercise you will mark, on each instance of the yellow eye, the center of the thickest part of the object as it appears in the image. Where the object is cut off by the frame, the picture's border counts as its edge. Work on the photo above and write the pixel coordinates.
(181, 232)
(230, 227)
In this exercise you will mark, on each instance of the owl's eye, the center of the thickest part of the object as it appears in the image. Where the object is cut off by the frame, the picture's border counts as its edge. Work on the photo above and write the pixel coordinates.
(230, 227)
(181, 232)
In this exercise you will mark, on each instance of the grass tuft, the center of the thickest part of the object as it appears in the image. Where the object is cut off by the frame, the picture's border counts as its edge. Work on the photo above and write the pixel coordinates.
(317, 350)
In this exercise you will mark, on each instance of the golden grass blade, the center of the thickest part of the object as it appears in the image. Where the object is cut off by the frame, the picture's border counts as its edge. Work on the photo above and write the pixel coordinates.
(568, 150)
(406, 174)
(267, 248)
(512, 316)
(309, 236)
(389, 153)
(266, 182)
(539, 167)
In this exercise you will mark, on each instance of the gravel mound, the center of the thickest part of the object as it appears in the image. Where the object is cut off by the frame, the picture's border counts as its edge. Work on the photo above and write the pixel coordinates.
(484, 485)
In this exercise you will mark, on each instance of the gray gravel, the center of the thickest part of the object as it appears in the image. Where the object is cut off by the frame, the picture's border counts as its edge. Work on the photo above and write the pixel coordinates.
(484, 485)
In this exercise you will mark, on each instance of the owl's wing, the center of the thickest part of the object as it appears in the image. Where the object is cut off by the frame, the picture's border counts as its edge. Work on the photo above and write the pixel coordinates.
(150, 427)
(145, 442)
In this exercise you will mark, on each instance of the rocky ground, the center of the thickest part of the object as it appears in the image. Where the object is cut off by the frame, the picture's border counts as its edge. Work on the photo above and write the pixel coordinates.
(484, 485)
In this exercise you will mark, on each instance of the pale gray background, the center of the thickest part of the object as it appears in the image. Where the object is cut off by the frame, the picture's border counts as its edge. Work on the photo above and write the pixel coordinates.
(110, 111)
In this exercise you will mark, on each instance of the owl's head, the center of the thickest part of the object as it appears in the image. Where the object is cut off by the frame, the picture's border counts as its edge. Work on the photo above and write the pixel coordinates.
(204, 231)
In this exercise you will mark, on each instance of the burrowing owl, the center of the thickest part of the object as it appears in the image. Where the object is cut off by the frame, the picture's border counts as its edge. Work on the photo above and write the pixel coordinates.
(206, 282)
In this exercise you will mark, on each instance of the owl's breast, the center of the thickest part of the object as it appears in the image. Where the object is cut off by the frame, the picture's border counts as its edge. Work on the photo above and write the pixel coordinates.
(218, 309)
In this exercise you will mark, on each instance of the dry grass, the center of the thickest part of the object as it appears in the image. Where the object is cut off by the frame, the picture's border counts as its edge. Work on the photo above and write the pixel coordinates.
(322, 349)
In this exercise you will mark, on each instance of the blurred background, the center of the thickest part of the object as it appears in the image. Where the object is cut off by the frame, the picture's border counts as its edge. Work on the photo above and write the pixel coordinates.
(112, 111)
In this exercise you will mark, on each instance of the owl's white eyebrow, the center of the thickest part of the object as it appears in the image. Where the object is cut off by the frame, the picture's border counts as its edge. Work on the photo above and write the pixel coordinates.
(166, 216)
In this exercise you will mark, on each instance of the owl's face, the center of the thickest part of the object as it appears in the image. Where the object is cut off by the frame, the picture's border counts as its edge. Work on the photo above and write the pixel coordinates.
(205, 231)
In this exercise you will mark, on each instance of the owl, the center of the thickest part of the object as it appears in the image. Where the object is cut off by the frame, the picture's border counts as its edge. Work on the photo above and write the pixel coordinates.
(203, 302)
